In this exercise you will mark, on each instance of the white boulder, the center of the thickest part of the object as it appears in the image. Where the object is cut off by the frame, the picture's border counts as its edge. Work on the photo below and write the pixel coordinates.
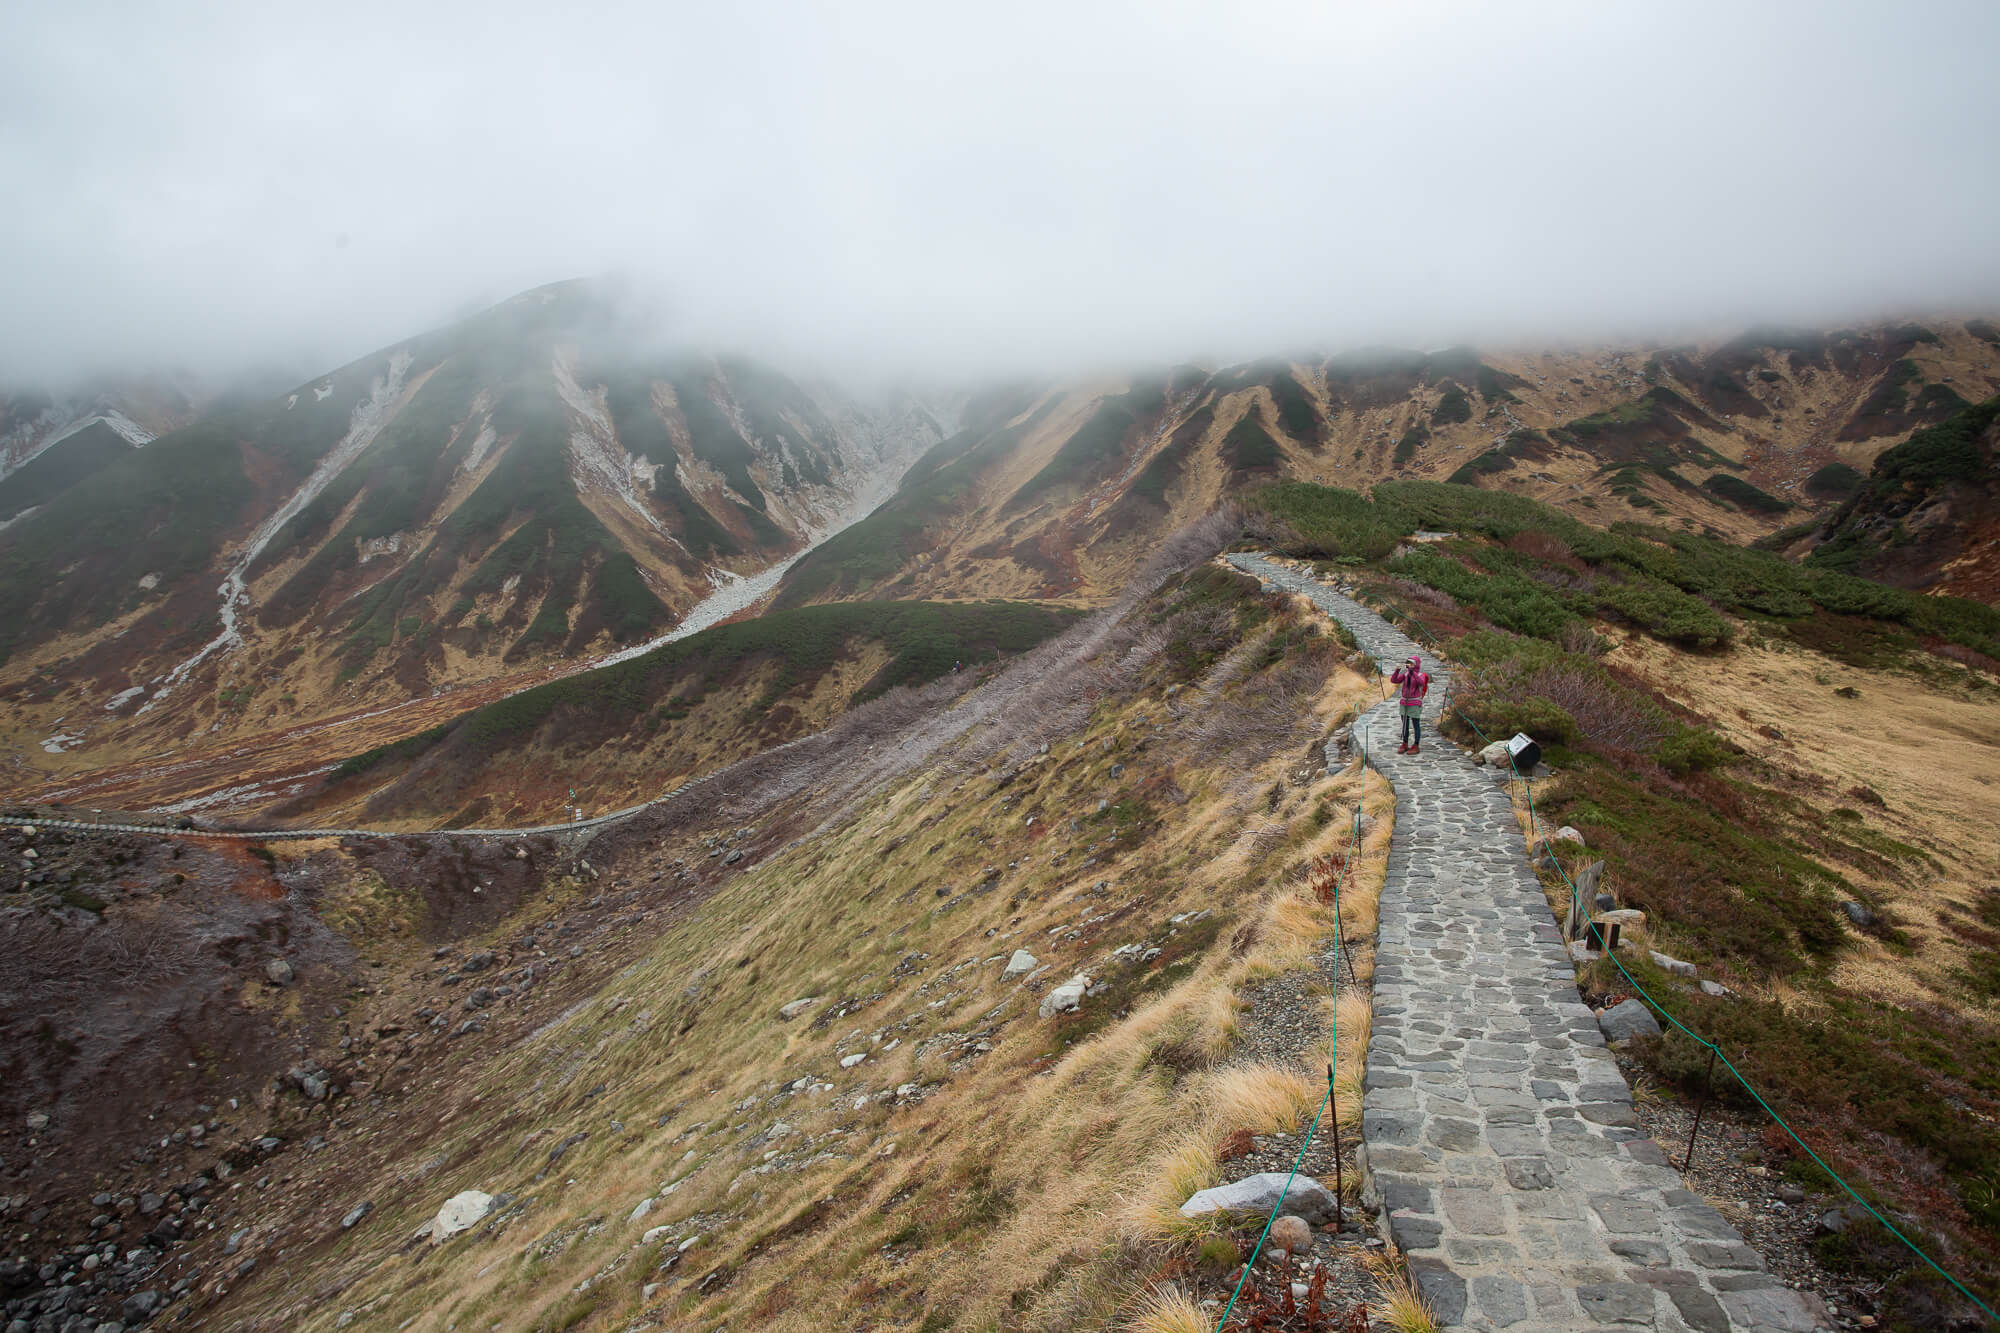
(1066, 997)
(461, 1212)
(1022, 961)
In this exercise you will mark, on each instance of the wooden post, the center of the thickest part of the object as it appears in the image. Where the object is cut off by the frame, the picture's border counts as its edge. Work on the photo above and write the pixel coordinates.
(1339, 1183)
(1707, 1082)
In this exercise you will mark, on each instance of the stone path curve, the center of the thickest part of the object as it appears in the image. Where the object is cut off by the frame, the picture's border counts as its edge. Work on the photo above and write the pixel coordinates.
(1499, 1140)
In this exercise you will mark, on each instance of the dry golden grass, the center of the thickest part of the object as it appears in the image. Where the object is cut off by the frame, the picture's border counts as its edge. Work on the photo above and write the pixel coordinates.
(1397, 1302)
(1030, 1182)
(1928, 742)
(1168, 1310)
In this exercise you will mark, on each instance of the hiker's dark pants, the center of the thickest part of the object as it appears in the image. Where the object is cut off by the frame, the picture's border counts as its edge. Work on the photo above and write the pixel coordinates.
(1413, 725)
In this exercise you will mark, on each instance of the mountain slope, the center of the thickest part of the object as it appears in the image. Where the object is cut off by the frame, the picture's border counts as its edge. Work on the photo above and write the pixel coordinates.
(527, 485)
(1056, 492)
(622, 734)
(1928, 516)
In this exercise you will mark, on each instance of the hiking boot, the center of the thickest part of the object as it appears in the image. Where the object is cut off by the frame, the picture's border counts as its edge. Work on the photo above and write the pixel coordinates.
(1404, 748)
(1416, 747)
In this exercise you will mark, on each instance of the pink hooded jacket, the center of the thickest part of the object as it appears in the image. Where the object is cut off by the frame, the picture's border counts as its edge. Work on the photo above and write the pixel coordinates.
(1415, 683)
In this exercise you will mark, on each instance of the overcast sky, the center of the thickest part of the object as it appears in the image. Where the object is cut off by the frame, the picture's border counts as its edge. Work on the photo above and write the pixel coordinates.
(963, 188)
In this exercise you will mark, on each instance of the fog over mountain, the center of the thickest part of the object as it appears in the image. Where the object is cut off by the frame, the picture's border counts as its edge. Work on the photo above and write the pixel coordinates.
(915, 187)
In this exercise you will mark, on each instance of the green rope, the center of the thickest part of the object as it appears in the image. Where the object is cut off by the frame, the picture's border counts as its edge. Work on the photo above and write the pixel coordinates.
(1353, 845)
(1576, 905)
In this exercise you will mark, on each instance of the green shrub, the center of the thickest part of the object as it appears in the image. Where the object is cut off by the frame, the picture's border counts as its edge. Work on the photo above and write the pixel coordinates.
(1453, 407)
(1835, 481)
(1743, 495)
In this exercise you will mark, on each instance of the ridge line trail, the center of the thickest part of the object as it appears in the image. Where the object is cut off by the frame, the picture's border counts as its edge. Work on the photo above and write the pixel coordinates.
(1499, 1137)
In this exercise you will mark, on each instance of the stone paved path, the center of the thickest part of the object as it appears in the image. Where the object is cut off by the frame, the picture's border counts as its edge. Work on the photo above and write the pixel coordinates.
(1499, 1135)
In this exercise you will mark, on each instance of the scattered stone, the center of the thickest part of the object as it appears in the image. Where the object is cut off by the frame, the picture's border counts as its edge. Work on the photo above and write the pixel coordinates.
(797, 1007)
(1022, 961)
(1628, 1020)
(1673, 965)
(1859, 913)
(1306, 1198)
(1494, 754)
(654, 1235)
(279, 971)
(849, 1061)
(1065, 998)
(645, 1206)
(1715, 988)
(1568, 834)
(461, 1212)
(1292, 1234)
(355, 1214)
(38, 1122)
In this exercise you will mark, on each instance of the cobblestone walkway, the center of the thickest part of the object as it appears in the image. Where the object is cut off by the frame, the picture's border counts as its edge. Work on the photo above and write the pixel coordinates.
(1500, 1140)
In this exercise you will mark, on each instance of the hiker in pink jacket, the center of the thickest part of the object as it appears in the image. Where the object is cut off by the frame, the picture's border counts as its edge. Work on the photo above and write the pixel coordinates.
(1415, 685)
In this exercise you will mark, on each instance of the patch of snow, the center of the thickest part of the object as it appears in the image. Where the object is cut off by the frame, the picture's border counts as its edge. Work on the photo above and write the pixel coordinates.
(250, 793)
(123, 697)
(6, 523)
(480, 444)
(322, 392)
(291, 401)
(62, 741)
(128, 430)
(363, 425)
(597, 459)
(149, 581)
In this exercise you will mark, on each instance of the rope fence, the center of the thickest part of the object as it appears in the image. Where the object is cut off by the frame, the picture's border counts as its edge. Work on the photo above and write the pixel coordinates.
(1353, 849)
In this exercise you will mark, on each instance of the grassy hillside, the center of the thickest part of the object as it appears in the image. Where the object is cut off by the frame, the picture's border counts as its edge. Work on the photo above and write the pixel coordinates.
(691, 705)
(1925, 510)
(60, 467)
(912, 1145)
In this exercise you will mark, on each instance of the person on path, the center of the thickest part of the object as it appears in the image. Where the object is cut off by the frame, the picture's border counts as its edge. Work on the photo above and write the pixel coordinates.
(1416, 684)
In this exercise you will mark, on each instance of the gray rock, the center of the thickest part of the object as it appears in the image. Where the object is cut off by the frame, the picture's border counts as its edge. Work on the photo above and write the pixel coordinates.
(1715, 988)
(141, 1306)
(461, 1212)
(733, 857)
(477, 962)
(314, 1087)
(38, 1122)
(1494, 754)
(356, 1213)
(797, 1007)
(1022, 961)
(1066, 997)
(1673, 965)
(1616, 1302)
(1306, 1198)
(279, 971)
(1859, 913)
(1776, 1309)
(1628, 1020)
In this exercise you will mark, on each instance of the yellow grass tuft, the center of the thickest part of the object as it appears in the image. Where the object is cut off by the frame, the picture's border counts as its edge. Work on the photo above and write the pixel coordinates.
(1261, 1098)
(1397, 1302)
(1167, 1310)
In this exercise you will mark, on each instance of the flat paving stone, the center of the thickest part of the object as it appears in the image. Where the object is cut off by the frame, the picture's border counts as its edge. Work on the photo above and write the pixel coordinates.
(1521, 1182)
